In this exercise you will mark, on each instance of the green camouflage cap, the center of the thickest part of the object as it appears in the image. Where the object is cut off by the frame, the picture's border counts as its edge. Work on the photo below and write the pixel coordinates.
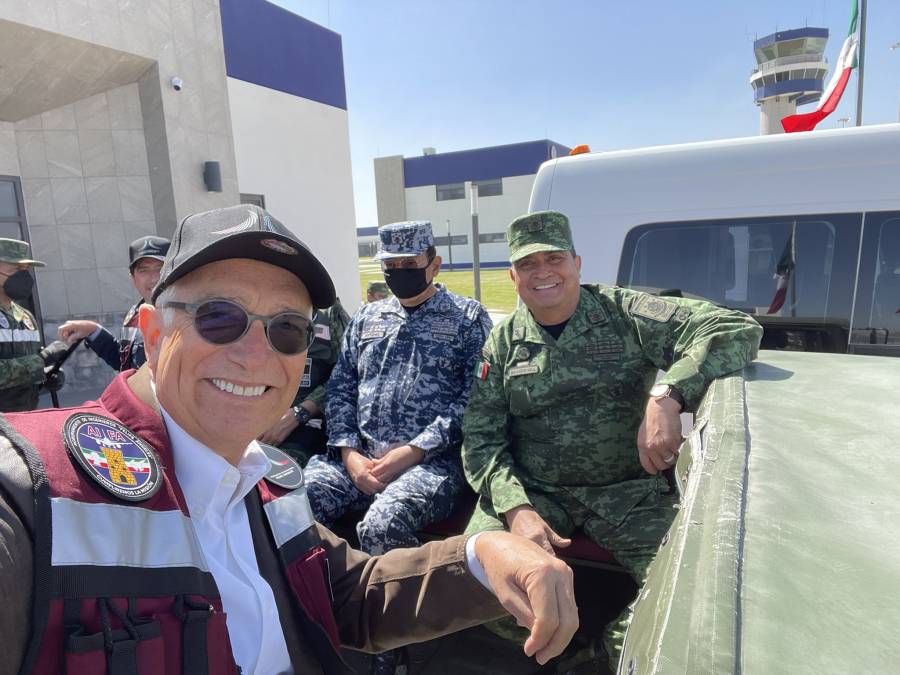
(15, 251)
(378, 287)
(540, 231)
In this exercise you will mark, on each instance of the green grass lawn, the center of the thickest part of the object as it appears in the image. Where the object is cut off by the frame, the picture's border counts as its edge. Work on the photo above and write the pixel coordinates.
(497, 291)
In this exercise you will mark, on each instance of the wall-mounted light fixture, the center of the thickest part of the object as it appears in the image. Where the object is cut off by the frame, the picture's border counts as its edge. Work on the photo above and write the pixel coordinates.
(212, 176)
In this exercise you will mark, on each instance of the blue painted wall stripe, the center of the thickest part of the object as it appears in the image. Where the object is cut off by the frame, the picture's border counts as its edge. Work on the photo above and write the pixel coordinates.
(272, 47)
(518, 159)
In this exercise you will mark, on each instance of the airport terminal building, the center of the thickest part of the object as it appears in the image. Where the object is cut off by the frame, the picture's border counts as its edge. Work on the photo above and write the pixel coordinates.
(117, 119)
(437, 187)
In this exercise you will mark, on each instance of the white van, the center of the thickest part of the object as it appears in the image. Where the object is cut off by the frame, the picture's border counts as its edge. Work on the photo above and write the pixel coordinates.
(734, 220)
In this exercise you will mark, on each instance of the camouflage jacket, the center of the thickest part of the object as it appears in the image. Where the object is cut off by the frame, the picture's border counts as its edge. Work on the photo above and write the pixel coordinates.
(563, 414)
(405, 378)
(21, 367)
(330, 325)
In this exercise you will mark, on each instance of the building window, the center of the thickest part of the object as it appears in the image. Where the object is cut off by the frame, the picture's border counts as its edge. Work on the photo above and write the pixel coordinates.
(457, 240)
(489, 188)
(258, 200)
(449, 191)
(492, 238)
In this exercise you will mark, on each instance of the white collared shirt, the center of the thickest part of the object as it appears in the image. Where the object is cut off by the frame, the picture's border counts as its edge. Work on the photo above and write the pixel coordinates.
(215, 491)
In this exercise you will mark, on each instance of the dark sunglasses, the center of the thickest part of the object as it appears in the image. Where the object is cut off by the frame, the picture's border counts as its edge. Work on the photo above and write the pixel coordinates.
(224, 321)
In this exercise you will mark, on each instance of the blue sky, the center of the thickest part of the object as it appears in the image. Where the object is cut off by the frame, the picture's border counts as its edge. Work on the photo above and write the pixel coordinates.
(457, 74)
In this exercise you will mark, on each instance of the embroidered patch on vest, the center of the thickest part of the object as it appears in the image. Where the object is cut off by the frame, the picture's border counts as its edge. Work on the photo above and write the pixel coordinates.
(323, 332)
(283, 470)
(113, 456)
(4, 322)
(683, 314)
(29, 324)
(597, 315)
(651, 307)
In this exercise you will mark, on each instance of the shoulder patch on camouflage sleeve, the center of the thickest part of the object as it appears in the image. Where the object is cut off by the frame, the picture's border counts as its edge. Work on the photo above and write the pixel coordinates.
(652, 307)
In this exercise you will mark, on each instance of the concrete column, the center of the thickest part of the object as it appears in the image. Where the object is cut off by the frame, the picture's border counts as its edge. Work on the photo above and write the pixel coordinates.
(771, 112)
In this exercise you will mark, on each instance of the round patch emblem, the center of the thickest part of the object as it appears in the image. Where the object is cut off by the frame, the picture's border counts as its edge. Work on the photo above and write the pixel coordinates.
(283, 469)
(682, 314)
(29, 324)
(4, 322)
(113, 456)
(522, 353)
(278, 245)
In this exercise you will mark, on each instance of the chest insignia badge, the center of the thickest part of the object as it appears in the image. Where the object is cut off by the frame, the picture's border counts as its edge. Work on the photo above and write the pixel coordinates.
(283, 470)
(113, 456)
(4, 322)
(522, 353)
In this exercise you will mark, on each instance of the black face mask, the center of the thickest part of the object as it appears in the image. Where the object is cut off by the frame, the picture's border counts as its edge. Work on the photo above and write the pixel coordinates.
(406, 282)
(18, 285)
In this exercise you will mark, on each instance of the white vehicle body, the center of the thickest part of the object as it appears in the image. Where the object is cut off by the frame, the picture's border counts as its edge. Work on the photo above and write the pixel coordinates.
(786, 178)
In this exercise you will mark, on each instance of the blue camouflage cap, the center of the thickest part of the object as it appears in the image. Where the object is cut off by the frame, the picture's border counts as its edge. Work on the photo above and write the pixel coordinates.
(404, 240)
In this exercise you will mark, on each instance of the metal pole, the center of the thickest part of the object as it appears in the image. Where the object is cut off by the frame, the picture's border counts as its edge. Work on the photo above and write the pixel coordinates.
(476, 258)
(862, 59)
(449, 245)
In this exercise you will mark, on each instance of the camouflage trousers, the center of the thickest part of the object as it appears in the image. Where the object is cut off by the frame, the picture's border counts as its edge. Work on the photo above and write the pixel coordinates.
(634, 541)
(423, 494)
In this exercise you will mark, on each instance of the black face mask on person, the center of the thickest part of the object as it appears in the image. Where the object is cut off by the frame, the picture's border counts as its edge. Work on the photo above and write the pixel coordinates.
(18, 285)
(406, 282)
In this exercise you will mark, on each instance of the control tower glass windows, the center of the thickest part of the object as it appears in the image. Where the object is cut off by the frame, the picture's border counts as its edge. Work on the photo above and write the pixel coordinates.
(449, 191)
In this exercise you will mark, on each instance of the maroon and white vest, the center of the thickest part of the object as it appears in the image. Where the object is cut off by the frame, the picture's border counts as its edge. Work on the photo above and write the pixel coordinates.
(122, 587)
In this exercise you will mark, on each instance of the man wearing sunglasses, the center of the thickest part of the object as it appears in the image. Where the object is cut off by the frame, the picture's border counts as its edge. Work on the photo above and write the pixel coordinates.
(149, 532)
(395, 401)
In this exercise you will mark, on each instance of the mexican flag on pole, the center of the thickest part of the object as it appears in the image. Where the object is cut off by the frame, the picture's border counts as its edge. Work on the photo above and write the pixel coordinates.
(832, 95)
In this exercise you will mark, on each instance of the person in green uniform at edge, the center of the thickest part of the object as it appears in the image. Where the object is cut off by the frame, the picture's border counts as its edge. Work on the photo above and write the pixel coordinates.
(23, 363)
(565, 428)
(377, 290)
(301, 430)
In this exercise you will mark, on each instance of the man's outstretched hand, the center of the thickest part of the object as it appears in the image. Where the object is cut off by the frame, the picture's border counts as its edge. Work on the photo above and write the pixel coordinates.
(534, 586)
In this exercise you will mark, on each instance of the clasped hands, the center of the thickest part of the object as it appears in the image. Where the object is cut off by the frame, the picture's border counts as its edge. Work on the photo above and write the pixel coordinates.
(371, 476)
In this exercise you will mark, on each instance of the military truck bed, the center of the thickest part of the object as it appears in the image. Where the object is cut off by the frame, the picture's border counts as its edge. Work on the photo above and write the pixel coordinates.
(785, 554)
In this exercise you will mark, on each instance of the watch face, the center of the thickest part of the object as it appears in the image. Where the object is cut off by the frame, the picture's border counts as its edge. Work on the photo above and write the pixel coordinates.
(659, 390)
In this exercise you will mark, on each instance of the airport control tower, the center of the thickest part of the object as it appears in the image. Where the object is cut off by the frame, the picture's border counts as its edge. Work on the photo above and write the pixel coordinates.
(790, 70)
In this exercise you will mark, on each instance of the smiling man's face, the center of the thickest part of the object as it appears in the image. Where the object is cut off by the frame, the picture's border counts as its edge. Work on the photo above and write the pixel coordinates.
(226, 395)
(548, 284)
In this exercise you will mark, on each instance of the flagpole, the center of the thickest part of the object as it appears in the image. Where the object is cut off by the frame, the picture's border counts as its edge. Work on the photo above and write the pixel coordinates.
(862, 58)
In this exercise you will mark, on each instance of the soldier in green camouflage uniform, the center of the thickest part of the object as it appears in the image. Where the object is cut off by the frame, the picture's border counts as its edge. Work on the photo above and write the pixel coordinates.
(22, 360)
(301, 430)
(563, 429)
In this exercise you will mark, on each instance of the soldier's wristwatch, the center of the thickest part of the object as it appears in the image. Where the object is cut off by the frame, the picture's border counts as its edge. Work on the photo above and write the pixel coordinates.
(667, 391)
(301, 414)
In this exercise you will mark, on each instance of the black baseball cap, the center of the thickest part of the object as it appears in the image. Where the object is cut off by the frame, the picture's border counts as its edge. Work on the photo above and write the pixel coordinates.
(244, 231)
(148, 247)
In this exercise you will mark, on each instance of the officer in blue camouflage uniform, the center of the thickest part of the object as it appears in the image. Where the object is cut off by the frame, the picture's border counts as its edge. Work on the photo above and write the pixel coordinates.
(147, 255)
(23, 363)
(395, 400)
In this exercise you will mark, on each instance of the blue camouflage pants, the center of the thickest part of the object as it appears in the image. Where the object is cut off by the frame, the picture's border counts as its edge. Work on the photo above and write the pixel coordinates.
(423, 494)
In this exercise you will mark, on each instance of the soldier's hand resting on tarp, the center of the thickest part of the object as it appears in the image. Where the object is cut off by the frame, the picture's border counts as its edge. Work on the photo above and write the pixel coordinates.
(660, 435)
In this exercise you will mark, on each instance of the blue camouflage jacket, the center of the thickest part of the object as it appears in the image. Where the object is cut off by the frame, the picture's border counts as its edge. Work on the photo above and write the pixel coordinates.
(405, 379)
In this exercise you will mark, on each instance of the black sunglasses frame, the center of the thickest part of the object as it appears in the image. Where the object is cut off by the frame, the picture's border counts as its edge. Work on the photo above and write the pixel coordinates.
(192, 308)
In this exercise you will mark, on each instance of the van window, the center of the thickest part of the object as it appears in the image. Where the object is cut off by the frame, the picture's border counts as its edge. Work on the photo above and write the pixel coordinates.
(876, 318)
(796, 270)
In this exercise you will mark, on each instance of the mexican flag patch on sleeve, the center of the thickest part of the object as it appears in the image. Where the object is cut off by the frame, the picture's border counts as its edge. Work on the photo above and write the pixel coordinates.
(482, 370)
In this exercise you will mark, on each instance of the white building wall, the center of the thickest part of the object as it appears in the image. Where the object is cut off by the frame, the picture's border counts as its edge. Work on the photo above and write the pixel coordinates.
(494, 214)
(296, 153)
